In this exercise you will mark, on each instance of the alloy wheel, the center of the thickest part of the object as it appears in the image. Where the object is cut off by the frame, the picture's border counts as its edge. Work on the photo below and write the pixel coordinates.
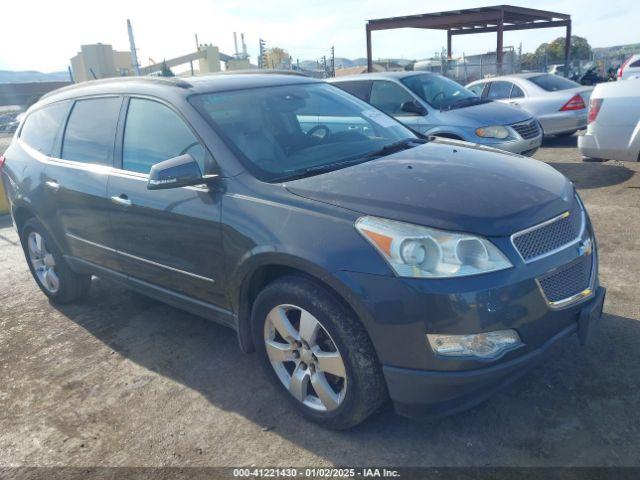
(305, 358)
(43, 262)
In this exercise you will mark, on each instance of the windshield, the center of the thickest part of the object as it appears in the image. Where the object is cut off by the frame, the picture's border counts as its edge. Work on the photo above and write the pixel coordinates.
(440, 92)
(553, 83)
(297, 130)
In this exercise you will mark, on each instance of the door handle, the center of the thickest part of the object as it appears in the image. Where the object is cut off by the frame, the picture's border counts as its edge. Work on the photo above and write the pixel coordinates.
(53, 185)
(121, 200)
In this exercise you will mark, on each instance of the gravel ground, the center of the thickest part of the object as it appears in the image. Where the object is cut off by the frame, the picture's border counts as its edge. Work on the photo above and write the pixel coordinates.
(122, 380)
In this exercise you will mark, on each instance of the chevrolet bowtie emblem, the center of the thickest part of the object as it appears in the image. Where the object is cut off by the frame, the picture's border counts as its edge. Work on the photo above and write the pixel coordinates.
(585, 247)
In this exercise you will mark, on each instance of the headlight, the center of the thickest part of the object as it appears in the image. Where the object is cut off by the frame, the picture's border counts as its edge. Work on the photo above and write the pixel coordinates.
(423, 252)
(494, 131)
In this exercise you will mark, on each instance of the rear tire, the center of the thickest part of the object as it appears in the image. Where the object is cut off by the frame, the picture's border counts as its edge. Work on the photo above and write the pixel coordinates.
(48, 266)
(331, 376)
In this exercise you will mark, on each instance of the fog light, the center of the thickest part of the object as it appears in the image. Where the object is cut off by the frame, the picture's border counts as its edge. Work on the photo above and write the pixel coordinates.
(480, 345)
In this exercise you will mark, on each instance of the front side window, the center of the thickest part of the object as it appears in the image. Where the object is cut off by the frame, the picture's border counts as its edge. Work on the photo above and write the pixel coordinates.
(441, 92)
(499, 90)
(389, 97)
(153, 133)
(42, 126)
(553, 83)
(297, 130)
(91, 131)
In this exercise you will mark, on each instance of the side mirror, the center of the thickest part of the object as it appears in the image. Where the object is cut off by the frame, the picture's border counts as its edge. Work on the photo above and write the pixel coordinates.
(413, 107)
(176, 172)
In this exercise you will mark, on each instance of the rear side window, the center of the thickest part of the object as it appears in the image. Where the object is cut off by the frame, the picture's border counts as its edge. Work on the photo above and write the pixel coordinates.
(154, 133)
(516, 92)
(635, 64)
(91, 130)
(41, 128)
(499, 90)
(553, 83)
(358, 89)
(477, 88)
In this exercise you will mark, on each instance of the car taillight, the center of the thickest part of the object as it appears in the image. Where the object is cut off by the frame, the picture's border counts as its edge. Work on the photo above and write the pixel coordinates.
(576, 103)
(2, 160)
(594, 109)
(623, 66)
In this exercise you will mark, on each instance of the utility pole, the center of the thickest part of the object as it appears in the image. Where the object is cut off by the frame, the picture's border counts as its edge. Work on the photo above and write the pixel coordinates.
(333, 61)
(262, 61)
(132, 46)
(324, 66)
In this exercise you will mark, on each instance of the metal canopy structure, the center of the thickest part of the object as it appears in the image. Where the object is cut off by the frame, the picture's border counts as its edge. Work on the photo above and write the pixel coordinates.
(499, 19)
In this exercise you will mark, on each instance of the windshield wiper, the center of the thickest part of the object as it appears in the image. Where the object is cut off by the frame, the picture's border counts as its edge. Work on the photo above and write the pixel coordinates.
(466, 102)
(395, 147)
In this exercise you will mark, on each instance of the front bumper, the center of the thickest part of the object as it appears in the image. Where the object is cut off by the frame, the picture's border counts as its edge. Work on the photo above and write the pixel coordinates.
(519, 146)
(433, 393)
(398, 313)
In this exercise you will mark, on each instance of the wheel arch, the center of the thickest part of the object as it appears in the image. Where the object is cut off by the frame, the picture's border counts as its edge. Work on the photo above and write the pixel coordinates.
(264, 269)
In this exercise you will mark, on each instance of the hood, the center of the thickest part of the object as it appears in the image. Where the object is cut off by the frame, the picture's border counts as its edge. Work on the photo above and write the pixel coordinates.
(490, 113)
(445, 185)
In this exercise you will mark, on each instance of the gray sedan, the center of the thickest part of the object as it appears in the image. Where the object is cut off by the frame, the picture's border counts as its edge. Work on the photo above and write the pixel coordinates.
(559, 104)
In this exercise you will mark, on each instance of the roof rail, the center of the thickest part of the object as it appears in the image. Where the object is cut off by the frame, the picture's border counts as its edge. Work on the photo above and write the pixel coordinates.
(255, 71)
(172, 81)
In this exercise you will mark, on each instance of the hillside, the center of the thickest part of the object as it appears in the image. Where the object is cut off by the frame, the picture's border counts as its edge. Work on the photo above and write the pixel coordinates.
(8, 76)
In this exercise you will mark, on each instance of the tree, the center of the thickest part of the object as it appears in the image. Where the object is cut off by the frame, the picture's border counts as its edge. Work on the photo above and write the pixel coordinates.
(165, 71)
(529, 61)
(554, 51)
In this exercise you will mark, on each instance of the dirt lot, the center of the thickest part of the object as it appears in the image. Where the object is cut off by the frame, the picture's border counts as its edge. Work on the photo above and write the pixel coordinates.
(124, 380)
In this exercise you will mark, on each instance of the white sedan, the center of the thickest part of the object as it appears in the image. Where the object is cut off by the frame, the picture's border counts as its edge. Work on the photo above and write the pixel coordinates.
(559, 104)
(614, 122)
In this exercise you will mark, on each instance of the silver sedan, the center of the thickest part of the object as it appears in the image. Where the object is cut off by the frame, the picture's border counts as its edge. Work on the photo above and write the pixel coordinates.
(559, 104)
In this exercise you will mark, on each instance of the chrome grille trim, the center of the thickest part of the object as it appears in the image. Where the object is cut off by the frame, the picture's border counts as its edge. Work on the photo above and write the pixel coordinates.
(579, 236)
(528, 129)
(582, 295)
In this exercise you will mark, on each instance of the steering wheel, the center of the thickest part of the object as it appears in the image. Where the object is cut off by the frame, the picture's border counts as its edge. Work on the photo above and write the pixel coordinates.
(314, 130)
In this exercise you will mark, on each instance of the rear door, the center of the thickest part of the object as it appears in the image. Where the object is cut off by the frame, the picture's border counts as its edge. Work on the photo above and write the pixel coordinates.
(169, 238)
(77, 180)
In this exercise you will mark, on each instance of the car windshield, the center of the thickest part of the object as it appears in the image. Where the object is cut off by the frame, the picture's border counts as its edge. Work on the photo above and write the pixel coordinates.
(297, 130)
(553, 83)
(440, 92)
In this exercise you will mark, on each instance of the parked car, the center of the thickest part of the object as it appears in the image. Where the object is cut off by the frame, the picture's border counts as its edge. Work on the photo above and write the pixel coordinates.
(559, 104)
(614, 123)
(360, 263)
(435, 105)
(630, 68)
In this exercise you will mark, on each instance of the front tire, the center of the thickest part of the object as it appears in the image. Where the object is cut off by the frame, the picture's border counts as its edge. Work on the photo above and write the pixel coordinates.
(48, 266)
(317, 353)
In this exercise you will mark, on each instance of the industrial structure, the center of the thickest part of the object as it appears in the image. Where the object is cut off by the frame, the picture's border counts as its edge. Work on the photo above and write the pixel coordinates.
(499, 19)
(100, 61)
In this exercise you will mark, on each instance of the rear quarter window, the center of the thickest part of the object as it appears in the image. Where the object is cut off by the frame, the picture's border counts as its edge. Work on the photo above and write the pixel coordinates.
(41, 128)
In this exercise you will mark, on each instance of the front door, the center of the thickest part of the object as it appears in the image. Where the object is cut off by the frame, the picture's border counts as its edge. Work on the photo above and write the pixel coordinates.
(77, 181)
(389, 97)
(169, 238)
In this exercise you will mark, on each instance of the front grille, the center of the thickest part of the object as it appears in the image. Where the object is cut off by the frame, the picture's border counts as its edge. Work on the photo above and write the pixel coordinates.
(549, 236)
(570, 280)
(528, 129)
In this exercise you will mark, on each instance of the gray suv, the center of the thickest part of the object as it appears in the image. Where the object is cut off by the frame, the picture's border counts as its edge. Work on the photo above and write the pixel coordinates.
(361, 264)
(435, 105)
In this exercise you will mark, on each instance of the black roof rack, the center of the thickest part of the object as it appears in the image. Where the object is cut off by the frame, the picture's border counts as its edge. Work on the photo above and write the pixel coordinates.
(170, 81)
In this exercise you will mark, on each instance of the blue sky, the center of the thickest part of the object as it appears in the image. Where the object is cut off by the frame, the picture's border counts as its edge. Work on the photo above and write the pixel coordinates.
(44, 35)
